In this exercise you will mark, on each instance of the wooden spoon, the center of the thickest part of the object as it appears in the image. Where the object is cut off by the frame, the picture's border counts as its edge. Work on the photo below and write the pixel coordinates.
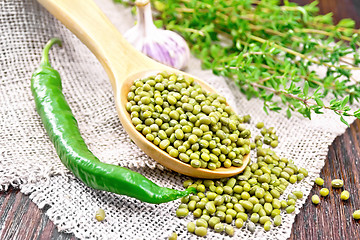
(123, 65)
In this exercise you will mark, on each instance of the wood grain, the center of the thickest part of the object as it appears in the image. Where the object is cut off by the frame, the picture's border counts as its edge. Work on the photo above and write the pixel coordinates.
(330, 220)
(339, 8)
(21, 219)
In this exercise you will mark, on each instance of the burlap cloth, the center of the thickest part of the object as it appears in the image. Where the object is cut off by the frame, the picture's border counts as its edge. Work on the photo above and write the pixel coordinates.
(28, 160)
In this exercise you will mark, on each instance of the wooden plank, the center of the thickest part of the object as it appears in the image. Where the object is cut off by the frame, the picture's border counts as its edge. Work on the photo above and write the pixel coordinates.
(21, 219)
(331, 219)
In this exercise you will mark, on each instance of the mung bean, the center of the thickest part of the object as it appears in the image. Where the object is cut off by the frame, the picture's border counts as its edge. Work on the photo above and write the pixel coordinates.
(264, 219)
(173, 236)
(337, 183)
(356, 215)
(191, 227)
(254, 217)
(201, 231)
(239, 223)
(345, 195)
(100, 214)
(251, 226)
(229, 230)
(219, 227)
(315, 199)
(277, 220)
(319, 181)
(267, 226)
(182, 212)
(177, 115)
(275, 212)
(324, 192)
(290, 209)
(213, 221)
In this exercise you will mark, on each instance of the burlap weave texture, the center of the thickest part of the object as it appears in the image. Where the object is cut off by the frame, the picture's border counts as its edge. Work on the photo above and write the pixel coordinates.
(28, 159)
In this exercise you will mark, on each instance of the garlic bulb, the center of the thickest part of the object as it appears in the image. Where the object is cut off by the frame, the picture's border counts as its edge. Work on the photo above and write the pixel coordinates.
(161, 45)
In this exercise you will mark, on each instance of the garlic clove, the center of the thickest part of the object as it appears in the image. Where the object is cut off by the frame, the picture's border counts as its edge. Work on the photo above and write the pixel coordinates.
(161, 45)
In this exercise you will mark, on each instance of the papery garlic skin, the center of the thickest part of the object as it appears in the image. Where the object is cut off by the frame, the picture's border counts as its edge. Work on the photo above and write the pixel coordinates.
(164, 46)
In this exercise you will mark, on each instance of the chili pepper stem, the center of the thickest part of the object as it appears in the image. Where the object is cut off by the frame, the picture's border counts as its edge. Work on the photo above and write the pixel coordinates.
(45, 54)
(72, 150)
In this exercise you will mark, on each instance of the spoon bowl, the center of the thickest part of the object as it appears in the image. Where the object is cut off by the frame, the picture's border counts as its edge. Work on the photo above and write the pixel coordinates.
(124, 65)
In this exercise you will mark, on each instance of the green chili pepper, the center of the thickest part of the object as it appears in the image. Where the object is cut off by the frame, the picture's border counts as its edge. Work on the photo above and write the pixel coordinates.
(64, 133)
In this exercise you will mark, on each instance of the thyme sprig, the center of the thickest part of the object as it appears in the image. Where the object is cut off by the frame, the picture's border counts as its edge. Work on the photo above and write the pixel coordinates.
(270, 50)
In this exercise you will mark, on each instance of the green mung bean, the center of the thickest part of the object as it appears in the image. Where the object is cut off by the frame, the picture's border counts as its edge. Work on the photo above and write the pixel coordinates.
(100, 215)
(173, 236)
(219, 227)
(275, 212)
(324, 192)
(315, 199)
(356, 215)
(291, 201)
(267, 226)
(201, 231)
(298, 194)
(239, 223)
(251, 226)
(254, 217)
(213, 221)
(262, 212)
(290, 209)
(277, 220)
(191, 227)
(201, 223)
(259, 125)
(182, 212)
(337, 183)
(345, 195)
(197, 213)
(319, 181)
(229, 230)
(205, 217)
(284, 204)
(264, 219)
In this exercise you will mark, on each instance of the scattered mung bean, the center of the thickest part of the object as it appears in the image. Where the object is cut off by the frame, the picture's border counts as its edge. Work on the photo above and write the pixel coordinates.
(290, 209)
(201, 231)
(319, 181)
(173, 236)
(239, 223)
(251, 226)
(345, 195)
(337, 183)
(277, 220)
(229, 230)
(267, 226)
(219, 227)
(298, 194)
(191, 227)
(324, 192)
(315, 199)
(356, 215)
(182, 212)
(100, 214)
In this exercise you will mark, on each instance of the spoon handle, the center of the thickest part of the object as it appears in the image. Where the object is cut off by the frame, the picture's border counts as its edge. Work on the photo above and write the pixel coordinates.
(94, 29)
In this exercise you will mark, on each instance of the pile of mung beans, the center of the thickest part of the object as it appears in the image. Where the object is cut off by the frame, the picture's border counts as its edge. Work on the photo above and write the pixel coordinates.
(252, 196)
(189, 123)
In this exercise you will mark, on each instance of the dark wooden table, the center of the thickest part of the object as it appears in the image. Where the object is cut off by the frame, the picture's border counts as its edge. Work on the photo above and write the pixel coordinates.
(332, 219)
